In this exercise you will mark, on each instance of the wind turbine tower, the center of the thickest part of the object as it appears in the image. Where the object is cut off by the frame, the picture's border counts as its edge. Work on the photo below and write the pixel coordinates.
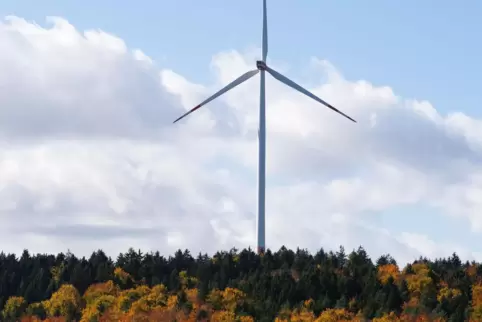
(262, 68)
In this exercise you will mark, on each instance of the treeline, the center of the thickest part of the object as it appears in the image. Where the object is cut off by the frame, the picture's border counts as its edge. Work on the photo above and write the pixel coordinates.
(237, 286)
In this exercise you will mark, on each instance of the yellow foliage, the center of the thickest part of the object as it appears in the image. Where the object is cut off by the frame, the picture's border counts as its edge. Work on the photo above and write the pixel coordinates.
(186, 281)
(387, 271)
(335, 315)
(14, 308)
(420, 268)
(246, 318)
(183, 278)
(150, 300)
(56, 272)
(65, 302)
(283, 315)
(391, 317)
(127, 297)
(231, 298)
(157, 296)
(159, 289)
(477, 295)
(122, 276)
(476, 314)
(97, 308)
(419, 281)
(303, 315)
(106, 302)
(298, 315)
(141, 304)
(448, 293)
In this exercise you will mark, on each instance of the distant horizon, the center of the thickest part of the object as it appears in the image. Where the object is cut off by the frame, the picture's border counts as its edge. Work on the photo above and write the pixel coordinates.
(234, 250)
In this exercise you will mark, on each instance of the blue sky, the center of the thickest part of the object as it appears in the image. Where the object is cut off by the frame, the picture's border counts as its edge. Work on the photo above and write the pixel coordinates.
(421, 49)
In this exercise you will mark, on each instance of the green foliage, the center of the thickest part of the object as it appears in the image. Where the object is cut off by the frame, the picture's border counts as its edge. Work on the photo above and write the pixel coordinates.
(285, 284)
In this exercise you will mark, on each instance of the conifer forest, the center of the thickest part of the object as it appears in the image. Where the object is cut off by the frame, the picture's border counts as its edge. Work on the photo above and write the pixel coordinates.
(285, 285)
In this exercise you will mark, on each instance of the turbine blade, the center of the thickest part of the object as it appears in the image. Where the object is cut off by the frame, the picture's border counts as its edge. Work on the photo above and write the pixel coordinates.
(265, 32)
(285, 80)
(241, 79)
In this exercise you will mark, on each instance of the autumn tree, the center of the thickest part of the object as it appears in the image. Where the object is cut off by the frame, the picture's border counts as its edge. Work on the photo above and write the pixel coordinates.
(66, 302)
(14, 308)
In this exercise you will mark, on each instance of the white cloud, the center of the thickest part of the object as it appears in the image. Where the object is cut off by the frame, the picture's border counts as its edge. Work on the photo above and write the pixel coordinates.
(90, 159)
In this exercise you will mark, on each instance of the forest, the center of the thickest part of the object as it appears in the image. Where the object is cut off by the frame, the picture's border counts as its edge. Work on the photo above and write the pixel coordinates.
(285, 285)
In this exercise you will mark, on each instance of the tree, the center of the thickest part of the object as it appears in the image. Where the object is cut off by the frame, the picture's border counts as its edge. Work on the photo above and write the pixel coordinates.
(14, 308)
(65, 303)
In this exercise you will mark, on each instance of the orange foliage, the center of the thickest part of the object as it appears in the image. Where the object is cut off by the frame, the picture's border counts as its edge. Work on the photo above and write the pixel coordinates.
(471, 271)
(30, 319)
(392, 317)
(419, 318)
(172, 301)
(223, 316)
(308, 303)
(335, 315)
(387, 271)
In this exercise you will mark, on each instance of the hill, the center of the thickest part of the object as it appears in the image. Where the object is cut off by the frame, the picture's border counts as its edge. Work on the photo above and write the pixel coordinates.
(237, 286)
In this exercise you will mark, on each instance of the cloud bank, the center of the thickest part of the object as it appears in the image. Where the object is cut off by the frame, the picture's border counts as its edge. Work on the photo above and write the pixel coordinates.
(90, 159)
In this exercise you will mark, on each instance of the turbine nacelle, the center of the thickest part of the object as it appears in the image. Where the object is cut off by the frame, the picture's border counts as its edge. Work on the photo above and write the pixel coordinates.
(261, 65)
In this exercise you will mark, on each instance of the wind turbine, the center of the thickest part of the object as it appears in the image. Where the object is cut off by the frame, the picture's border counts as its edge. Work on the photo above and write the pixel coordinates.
(261, 68)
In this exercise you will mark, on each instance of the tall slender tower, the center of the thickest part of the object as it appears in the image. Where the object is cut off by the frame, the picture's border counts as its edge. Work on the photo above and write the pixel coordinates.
(262, 139)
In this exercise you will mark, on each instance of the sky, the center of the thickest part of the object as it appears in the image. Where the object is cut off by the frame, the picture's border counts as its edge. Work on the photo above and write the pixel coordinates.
(90, 158)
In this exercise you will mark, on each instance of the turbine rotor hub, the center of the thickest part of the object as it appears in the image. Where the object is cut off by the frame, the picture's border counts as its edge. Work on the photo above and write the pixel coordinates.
(261, 65)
